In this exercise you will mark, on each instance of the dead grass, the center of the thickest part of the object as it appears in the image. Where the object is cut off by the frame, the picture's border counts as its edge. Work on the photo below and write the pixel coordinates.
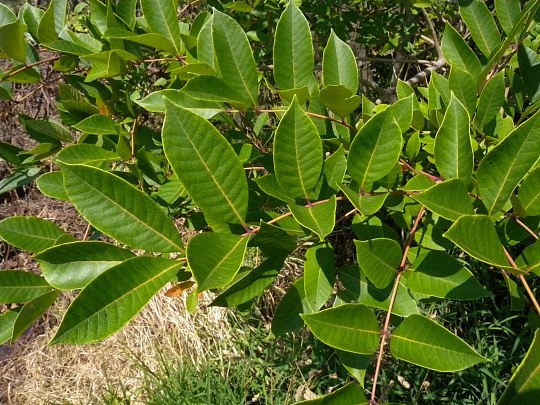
(35, 373)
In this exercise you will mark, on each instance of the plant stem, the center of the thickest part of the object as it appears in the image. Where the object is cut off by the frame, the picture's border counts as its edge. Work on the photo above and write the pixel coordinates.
(385, 332)
(525, 227)
(30, 66)
(324, 117)
(523, 281)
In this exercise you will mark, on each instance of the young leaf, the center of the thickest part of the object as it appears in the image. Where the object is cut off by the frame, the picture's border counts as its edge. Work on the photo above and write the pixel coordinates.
(287, 316)
(350, 327)
(476, 235)
(379, 259)
(453, 148)
(21, 286)
(73, 265)
(481, 24)
(491, 100)
(339, 64)
(207, 166)
(30, 233)
(298, 155)
(351, 393)
(215, 267)
(524, 385)
(423, 342)
(506, 164)
(319, 275)
(293, 50)
(448, 199)
(161, 18)
(119, 210)
(375, 149)
(319, 218)
(529, 193)
(438, 274)
(458, 53)
(113, 298)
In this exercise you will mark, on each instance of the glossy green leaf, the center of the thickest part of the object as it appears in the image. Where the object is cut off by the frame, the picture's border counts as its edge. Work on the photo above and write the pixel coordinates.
(339, 64)
(207, 166)
(298, 155)
(524, 386)
(235, 60)
(31, 16)
(270, 186)
(476, 235)
(507, 163)
(19, 178)
(53, 21)
(113, 298)
(458, 53)
(335, 167)
(453, 148)
(367, 204)
(116, 208)
(375, 149)
(463, 85)
(293, 50)
(529, 260)
(351, 393)
(31, 311)
(91, 155)
(356, 364)
(155, 102)
(379, 259)
(73, 265)
(287, 316)
(127, 11)
(30, 233)
(423, 342)
(49, 128)
(508, 13)
(319, 218)
(319, 275)
(350, 327)
(98, 125)
(106, 65)
(7, 321)
(21, 286)
(52, 185)
(448, 199)
(402, 110)
(438, 274)
(161, 18)
(12, 41)
(491, 100)
(529, 193)
(339, 99)
(216, 266)
(481, 24)
(529, 69)
(152, 40)
(273, 240)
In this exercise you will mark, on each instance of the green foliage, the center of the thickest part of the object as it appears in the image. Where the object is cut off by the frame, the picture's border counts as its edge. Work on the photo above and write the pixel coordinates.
(443, 182)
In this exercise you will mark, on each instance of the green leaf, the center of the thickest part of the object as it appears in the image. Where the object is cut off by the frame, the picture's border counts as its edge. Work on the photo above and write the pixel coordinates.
(355, 364)
(438, 274)
(12, 41)
(287, 316)
(319, 217)
(155, 102)
(30, 233)
(88, 154)
(235, 60)
(458, 53)
(339, 64)
(481, 24)
(339, 99)
(379, 259)
(49, 128)
(508, 13)
(274, 241)
(52, 185)
(298, 155)
(152, 40)
(207, 165)
(53, 21)
(161, 18)
(423, 342)
(351, 393)
(118, 209)
(365, 204)
(448, 199)
(524, 385)
(215, 267)
(507, 163)
(529, 193)
(98, 125)
(334, 168)
(73, 265)
(491, 100)
(31, 311)
(463, 86)
(21, 177)
(476, 235)
(21, 286)
(350, 327)
(113, 298)
(319, 275)
(293, 50)
(529, 260)
(270, 186)
(375, 149)
(402, 110)
(453, 148)
(7, 321)
(106, 65)
(529, 69)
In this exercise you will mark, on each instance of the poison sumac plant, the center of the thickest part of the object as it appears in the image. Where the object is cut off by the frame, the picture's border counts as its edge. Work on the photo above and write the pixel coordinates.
(445, 177)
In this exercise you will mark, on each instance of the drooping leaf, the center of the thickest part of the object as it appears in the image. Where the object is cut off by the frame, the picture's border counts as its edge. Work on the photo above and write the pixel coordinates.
(298, 157)
(339, 64)
(30, 233)
(507, 163)
(118, 209)
(151, 39)
(524, 386)
(356, 364)
(319, 275)
(319, 217)
(113, 298)
(529, 193)
(293, 50)
(458, 53)
(350, 327)
(19, 178)
(21, 286)
(31, 311)
(287, 316)
(481, 24)
(351, 393)
(161, 18)
(379, 259)
(375, 149)
(476, 235)
(491, 100)
(216, 266)
(73, 265)
(448, 199)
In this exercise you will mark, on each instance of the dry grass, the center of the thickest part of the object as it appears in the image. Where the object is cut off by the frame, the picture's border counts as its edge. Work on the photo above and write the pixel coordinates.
(35, 373)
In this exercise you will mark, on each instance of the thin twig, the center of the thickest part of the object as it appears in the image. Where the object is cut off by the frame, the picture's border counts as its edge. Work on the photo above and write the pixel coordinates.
(523, 281)
(324, 117)
(433, 34)
(30, 66)
(413, 81)
(525, 227)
